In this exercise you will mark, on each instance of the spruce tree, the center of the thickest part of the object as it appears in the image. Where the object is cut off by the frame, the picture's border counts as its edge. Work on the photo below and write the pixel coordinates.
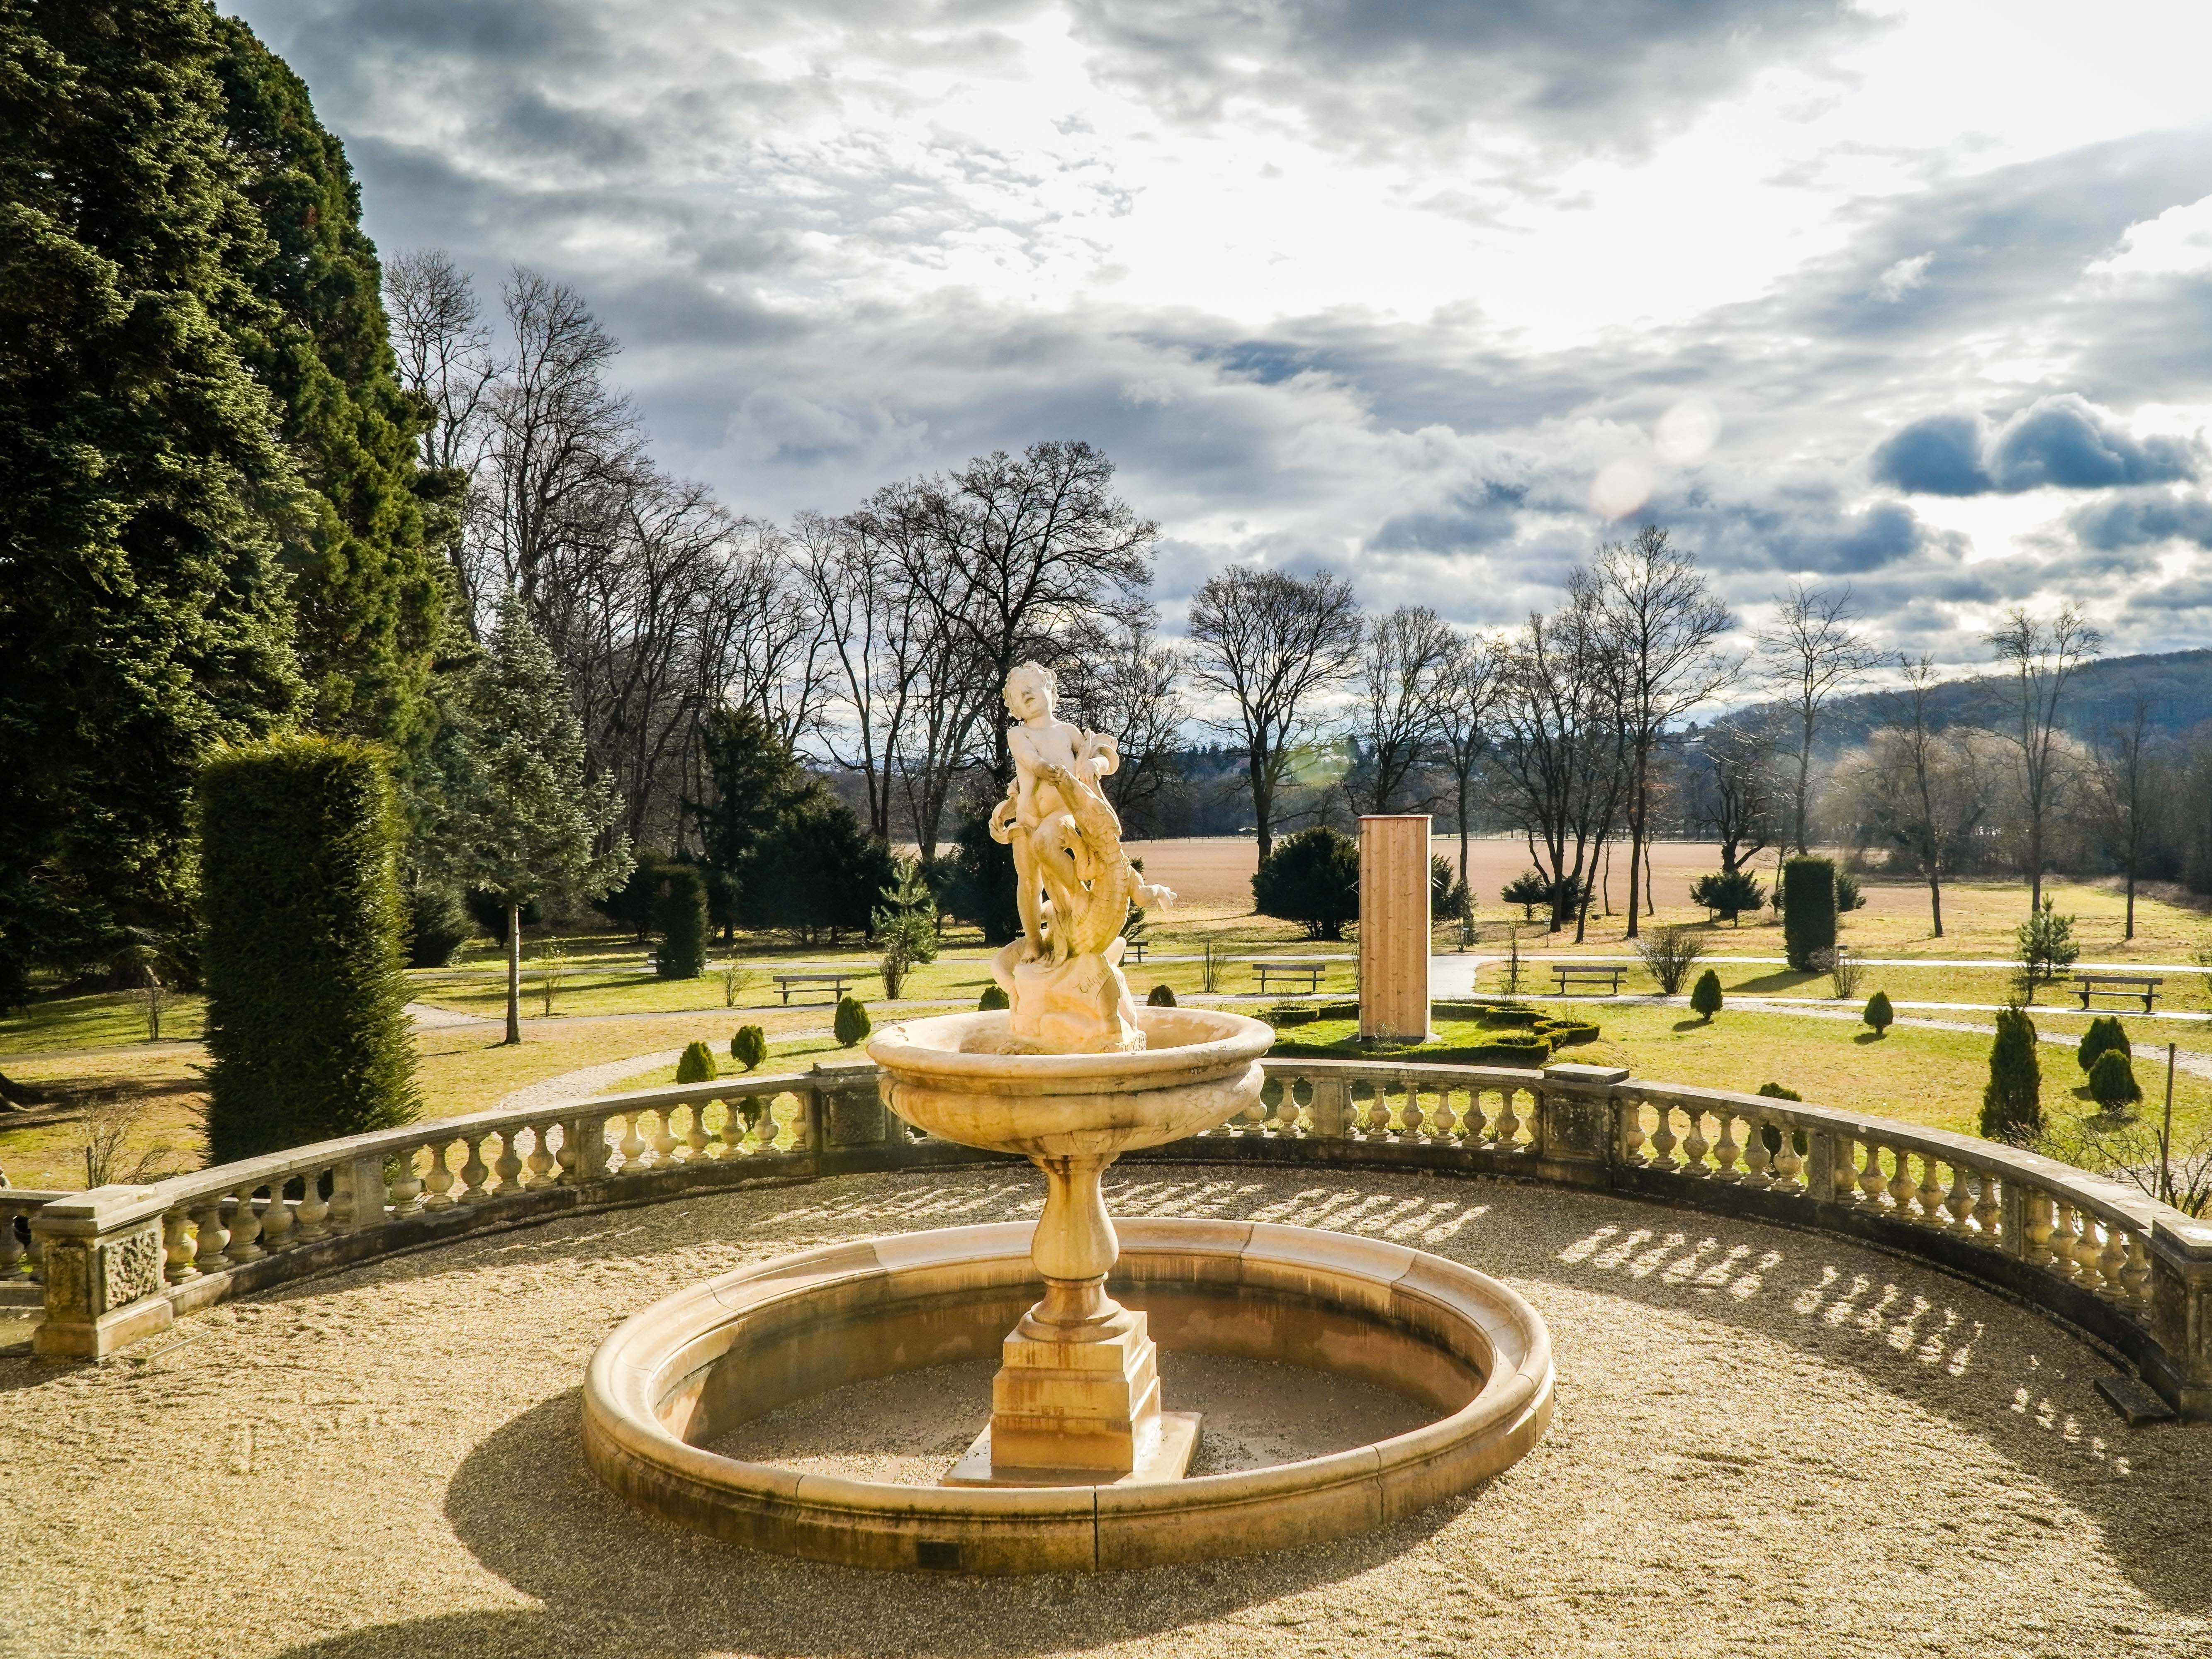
(367, 594)
(142, 615)
(1705, 995)
(2012, 1104)
(905, 927)
(528, 825)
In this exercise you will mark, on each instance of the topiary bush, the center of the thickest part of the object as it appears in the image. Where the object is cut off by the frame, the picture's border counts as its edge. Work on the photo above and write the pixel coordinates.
(2106, 1033)
(697, 1065)
(307, 1016)
(1705, 994)
(851, 1024)
(1162, 996)
(1311, 878)
(1808, 911)
(1879, 1014)
(2112, 1083)
(994, 996)
(749, 1048)
(679, 917)
(2012, 1104)
(1776, 1092)
(437, 926)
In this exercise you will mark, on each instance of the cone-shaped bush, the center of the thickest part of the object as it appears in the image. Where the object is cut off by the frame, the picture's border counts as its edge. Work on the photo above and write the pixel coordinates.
(1163, 996)
(679, 916)
(851, 1024)
(697, 1065)
(994, 996)
(307, 1019)
(1705, 994)
(2012, 1104)
(2106, 1035)
(1808, 911)
(1879, 1014)
(2112, 1083)
(749, 1046)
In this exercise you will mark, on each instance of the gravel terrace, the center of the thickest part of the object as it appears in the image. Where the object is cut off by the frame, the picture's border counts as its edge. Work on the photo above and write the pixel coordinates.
(1767, 1443)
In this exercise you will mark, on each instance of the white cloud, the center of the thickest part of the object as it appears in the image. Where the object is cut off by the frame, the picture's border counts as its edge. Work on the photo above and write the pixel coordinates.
(1901, 278)
(2178, 243)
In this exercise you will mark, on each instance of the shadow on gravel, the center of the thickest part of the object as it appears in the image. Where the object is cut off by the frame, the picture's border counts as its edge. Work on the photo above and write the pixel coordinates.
(615, 1585)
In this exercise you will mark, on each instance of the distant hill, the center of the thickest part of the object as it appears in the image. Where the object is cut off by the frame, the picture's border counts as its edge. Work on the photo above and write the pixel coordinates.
(2101, 697)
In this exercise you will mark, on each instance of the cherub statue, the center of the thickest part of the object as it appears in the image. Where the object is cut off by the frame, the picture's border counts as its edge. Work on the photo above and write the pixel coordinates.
(1052, 759)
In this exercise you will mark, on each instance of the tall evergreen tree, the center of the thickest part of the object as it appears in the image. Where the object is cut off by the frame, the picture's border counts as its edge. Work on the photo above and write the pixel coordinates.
(142, 613)
(367, 594)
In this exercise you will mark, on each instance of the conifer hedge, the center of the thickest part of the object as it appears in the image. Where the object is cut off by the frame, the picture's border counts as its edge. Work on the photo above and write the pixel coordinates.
(1808, 911)
(2012, 1104)
(306, 1020)
(679, 916)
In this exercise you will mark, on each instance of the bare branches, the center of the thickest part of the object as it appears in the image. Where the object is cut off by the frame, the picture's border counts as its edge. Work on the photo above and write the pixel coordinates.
(1468, 688)
(2043, 656)
(1401, 668)
(1272, 645)
(1808, 655)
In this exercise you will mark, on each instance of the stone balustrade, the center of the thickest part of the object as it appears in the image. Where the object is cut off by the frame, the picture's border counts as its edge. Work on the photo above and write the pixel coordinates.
(118, 1264)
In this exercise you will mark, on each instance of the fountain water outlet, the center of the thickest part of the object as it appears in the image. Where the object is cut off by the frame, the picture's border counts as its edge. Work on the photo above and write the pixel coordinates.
(1071, 1074)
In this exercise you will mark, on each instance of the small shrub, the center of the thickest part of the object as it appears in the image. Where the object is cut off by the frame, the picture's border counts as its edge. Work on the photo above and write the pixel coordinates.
(2012, 1104)
(1848, 896)
(905, 927)
(994, 996)
(1808, 911)
(2112, 1083)
(1776, 1092)
(2045, 948)
(437, 926)
(552, 971)
(1843, 973)
(2105, 1033)
(1727, 894)
(851, 1025)
(1311, 878)
(697, 1065)
(749, 1048)
(679, 917)
(1162, 996)
(1705, 995)
(734, 980)
(1669, 953)
(1529, 889)
(1879, 1014)
(1448, 899)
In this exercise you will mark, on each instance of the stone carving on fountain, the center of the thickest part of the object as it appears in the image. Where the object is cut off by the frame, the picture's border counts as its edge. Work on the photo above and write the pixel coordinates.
(1073, 883)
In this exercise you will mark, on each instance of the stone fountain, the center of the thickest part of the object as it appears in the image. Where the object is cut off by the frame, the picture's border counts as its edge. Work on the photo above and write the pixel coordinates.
(1071, 1075)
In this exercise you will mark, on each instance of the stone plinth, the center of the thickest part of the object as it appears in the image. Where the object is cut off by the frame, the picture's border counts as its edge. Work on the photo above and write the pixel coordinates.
(1393, 926)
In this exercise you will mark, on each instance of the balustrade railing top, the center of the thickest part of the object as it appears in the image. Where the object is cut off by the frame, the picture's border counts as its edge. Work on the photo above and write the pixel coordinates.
(117, 1264)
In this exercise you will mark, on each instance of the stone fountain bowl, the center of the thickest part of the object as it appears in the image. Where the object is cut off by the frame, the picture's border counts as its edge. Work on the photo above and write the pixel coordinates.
(958, 1077)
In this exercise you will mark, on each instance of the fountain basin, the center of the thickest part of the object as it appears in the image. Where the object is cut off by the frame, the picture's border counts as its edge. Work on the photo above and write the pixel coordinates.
(958, 1078)
(719, 1354)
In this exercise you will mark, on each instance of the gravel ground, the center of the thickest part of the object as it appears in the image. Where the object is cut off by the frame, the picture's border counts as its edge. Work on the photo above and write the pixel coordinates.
(1766, 1443)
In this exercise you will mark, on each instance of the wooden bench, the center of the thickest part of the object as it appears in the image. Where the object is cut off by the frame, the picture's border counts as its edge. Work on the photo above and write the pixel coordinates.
(788, 983)
(1133, 951)
(1306, 971)
(2119, 985)
(1608, 977)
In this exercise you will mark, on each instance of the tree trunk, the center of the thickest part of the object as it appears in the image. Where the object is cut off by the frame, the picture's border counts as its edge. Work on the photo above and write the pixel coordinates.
(514, 973)
(1639, 806)
(2035, 863)
(1263, 803)
(1936, 897)
(2130, 932)
(1463, 780)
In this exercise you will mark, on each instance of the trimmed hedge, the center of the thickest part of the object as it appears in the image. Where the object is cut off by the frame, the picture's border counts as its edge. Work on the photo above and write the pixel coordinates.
(679, 917)
(994, 996)
(2112, 1080)
(851, 1024)
(1524, 1037)
(697, 1065)
(307, 1016)
(2106, 1033)
(2012, 1104)
(1705, 994)
(1808, 911)
(1879, 1014)
(749, 1048)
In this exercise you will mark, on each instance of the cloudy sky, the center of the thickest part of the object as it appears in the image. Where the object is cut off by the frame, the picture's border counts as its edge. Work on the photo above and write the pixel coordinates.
(1440, 292)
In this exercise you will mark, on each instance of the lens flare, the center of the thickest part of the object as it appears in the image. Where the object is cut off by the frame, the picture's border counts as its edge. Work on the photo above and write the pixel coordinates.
(1688, 431)
(1621, 487)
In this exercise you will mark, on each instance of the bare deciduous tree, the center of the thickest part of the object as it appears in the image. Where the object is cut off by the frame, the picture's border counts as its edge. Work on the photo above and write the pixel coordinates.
(1401, 664)
(1126, 684)
(1660, 619)
(1808, 655)
(1272, 645)
(2122, 761)
(1467, 689)
(2044, 657)
(1732, 796)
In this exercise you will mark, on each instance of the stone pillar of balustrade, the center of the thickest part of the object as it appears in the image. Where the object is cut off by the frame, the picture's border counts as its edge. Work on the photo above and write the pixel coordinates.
(1573, 1142)
(1394, 926)
(2181, 1313)
(102, 1251)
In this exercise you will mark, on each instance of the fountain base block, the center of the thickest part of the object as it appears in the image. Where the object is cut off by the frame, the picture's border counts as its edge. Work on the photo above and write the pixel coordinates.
(1164, 1456)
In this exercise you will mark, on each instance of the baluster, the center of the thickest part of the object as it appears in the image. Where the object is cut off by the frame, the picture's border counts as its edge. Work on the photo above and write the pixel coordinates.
(244, 1230)
(1662, 1138)
(1443, 1123)
(1870, 1180)
(1287, 1115)
(1988, 1210)
(1725, 1150)
(633, 1145)
(1411, 1118)
(2135, 1277)
(475, 1177)
(540, 1161)
(277, 1219)
(2061, 1260)
(1378, 1112)
(1789, 1165)
(733, 1128)
(1508, 1134)
(1631, 1119)
(2088, 1250)
(439, 1179)
(1252, 1118)
(1902, 1186)
(2035, 1230)
(1931, 1196)
(401, 1191)
(313, 1215)
(2111, 1263)
(1757, 1156)
(213, 1236)
(765, 1129)
(1959, 1202)
(695, 1139)
(177, 1247)
(664, 1139)
(508, 1165)
(11, 1248)
(1846, 1169)
(1473, 1119)
(1694, 1145)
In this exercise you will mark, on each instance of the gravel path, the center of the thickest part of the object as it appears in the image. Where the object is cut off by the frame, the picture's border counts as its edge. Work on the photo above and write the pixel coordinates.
(1767, 1443)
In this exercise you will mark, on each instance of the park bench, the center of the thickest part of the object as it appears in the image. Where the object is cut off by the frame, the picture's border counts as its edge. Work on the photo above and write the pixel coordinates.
(1608, 977)
(1305, 971)
(839, 982)
(1133, 951)
(2119, 985)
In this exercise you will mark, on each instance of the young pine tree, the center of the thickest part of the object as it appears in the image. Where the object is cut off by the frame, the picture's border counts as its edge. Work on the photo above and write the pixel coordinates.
(528, 823)
(905, 927)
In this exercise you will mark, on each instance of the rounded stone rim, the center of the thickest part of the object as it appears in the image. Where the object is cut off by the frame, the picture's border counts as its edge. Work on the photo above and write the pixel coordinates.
(930, 1048)
(642, 1363)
